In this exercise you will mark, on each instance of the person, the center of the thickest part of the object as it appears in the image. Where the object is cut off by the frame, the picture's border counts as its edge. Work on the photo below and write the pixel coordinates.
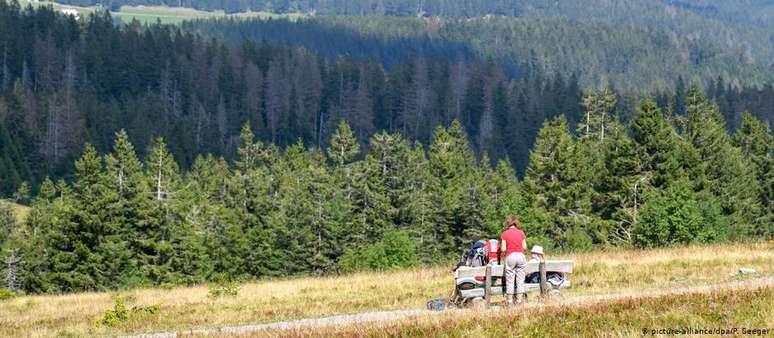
(537, 254)
(492, 249)
(537, 257)
(482, 252)
(513, 241)
(475, 256)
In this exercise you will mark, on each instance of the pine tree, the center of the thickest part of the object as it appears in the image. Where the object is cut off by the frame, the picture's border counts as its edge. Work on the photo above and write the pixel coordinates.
(621, 184)
(343, 147)
(599, 107)
(557, 185)
(453, 164)
(757, 145)
(657, 146)
(124, 247)
(729, 176)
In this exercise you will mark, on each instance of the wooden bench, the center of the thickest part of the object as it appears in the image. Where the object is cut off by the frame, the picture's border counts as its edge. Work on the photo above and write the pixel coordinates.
(488, 272)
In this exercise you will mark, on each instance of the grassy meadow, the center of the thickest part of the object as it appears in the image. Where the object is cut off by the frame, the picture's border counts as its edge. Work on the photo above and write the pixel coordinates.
(21, 212)
(627, 272)
(747, 309)
(167, 15)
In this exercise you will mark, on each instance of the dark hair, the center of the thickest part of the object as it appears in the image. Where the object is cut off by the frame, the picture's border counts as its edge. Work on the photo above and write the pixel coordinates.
(512, 221)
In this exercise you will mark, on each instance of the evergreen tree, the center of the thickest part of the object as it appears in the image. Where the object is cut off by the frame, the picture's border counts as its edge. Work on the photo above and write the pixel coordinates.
(621, 184)
(597, 117)
(757, 144)
(729, 175)
(657, 147)
(678, 215)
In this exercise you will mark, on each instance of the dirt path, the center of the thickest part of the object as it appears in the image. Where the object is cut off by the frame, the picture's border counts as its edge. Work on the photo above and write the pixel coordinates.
(403, 314)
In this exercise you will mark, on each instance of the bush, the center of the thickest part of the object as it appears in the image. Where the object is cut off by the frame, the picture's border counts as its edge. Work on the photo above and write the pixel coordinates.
(223, 286)
(678, 215)
(576, 239)
(6, 294)
(119, 313)
(395, 250)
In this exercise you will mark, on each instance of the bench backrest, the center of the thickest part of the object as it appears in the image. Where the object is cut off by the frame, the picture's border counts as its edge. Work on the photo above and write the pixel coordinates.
(499, 270)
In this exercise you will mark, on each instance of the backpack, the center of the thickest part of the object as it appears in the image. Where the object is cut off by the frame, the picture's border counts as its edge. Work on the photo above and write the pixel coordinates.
(478, 254)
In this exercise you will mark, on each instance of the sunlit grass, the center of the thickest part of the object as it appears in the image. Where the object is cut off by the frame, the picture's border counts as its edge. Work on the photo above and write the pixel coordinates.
(620, 271)
(20, 211)
(174, 15)
(164, 14)
(743, 309)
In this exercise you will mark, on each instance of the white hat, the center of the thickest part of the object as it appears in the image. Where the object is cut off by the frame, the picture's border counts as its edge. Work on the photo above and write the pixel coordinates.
(537, 249)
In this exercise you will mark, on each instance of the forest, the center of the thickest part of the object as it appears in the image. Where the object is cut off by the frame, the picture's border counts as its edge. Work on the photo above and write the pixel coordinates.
(616, 41)
(632, 58)
(129, 219)
(160, 154)
(64, 83)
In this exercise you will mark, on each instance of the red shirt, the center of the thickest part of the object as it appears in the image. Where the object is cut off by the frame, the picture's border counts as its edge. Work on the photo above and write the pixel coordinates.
(493, 248)
(513, 239)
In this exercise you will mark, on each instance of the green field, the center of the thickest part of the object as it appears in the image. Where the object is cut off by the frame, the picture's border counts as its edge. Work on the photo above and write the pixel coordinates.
(164, 14)
(21, 211)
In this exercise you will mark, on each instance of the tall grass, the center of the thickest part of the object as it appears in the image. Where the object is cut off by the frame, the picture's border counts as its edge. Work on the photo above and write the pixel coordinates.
(618, 271)
(742, 310)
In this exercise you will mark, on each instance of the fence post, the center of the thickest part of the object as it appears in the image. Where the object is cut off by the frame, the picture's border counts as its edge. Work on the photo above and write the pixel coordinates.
(488, 286)
(543, 281)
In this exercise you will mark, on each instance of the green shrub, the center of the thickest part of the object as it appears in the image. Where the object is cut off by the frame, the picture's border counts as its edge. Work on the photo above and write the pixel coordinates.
(223, 286)
(116, 315)
(395, 250)
(120, 314)
(576, 239)
(7, 294)
(678, 215)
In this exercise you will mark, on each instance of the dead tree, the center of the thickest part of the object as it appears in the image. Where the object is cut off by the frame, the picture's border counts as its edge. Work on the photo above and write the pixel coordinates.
(12, 263)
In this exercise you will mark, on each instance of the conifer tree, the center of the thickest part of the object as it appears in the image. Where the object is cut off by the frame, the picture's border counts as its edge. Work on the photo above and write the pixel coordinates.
(657, 146)
(757, 144)
(729, 176)
(621, 184)
(452, 162)
(595, 122)
(126, 198)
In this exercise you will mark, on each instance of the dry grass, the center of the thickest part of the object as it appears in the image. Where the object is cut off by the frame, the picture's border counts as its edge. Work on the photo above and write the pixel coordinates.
(20, 211)
(185, 308)
(743, 309)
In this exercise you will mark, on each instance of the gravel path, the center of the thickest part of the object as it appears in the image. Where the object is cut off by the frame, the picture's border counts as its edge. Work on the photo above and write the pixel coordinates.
(294, 324)
(403, 314)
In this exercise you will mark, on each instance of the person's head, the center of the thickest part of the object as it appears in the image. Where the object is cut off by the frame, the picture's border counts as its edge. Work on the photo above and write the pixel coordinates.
(537, 252)
(512, 222)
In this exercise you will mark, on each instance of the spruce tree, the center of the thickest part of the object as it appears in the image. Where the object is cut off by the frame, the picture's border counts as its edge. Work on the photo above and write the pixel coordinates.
(657, 146)
(125, 247)
(756, 142)
(621, 184)
(728, 175)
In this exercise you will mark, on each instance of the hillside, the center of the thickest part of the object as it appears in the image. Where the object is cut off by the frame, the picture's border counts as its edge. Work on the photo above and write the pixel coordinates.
(150, 14)
(631, 57)
(63, 85)
(604, 273)
(594, 38)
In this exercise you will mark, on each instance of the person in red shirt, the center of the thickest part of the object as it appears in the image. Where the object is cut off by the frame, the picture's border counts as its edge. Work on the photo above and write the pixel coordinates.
(513, 241)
